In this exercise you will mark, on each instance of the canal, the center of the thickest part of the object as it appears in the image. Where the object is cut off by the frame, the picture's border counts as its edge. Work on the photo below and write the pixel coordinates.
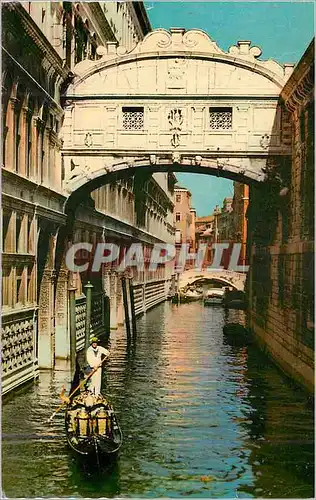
(200, 418)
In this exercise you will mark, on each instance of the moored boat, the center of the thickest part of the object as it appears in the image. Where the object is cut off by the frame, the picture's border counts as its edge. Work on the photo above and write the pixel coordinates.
(191, 295)
(235, 299)
(91, 426)
(214, 296)
(237, 334)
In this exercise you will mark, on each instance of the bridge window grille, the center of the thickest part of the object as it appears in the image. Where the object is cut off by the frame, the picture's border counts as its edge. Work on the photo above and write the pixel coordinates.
(221, 118)
(133, 118)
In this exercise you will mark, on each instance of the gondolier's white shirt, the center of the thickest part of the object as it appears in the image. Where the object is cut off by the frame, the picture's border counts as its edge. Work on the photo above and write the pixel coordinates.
(94, 355)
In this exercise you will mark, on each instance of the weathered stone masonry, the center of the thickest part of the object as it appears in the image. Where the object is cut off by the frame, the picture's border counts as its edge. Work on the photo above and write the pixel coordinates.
(281, 222)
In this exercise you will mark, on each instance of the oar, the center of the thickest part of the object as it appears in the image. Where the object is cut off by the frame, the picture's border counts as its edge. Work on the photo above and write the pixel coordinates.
(82, 383)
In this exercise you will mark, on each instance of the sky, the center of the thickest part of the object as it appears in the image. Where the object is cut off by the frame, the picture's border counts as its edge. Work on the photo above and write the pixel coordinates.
(283, 31)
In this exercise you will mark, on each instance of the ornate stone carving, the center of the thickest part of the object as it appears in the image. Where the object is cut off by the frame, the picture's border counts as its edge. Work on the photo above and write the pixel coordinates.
(79, 171)
(243, 49)
(198, 160)
(175, 119)
(17, 343)
(178, 39)
(108, 168)
(300, 92)
(176, 157)
(153, 160)
(88, 140)
(265, 141)
(80, 320)
(220, 163)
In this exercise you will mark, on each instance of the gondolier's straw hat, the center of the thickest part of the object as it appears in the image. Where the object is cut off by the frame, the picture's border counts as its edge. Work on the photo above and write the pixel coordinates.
(93, 340)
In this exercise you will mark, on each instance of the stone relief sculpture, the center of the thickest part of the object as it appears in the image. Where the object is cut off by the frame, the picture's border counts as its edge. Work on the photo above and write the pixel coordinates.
(176, 74)
(265, 141)
(176, 157)
(176, 120)
(79, 171)
(88, 140)
(153, 160)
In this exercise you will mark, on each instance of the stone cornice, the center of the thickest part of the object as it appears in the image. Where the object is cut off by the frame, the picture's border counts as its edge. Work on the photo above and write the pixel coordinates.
(17, 259)
(51, 215)
(163, 194)
(9, 201)
(115, 227)
(105, 33)
(39, 39)
(300, 85)
(139, 16)
(179, 43)
(15, 178)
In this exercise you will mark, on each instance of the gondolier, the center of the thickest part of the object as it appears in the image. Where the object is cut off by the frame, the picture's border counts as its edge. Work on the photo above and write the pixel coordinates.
(94, 354)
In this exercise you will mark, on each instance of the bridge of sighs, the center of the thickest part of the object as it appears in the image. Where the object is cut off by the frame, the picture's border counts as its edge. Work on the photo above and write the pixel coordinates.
(176, 102)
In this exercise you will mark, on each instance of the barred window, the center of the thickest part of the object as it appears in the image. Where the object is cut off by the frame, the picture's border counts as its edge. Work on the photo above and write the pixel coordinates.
(133, 118)
(221, 118)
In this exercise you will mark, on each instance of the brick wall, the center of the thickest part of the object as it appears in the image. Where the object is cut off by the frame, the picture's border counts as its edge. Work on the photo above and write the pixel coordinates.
(281, 225)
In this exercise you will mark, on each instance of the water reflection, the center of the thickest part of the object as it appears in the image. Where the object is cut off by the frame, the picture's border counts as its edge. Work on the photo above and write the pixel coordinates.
(200, 418)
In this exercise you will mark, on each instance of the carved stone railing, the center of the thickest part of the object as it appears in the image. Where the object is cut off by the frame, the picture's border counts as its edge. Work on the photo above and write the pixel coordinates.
(80, 321)
(18, 349)
(97, 317)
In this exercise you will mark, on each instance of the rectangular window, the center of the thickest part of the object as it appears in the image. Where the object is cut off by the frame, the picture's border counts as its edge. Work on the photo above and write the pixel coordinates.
(178, 198)
(178, 236)
(133, 118)
(221, 118)
(178, 216)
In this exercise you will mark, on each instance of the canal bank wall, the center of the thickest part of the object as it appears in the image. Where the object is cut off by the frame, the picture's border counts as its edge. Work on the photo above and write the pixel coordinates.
(281, 238)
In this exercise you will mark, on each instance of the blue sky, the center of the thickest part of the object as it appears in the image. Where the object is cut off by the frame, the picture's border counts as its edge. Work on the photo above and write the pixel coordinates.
(283, 30)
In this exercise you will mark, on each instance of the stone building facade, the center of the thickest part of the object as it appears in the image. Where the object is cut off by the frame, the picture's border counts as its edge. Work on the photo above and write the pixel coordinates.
(182, 216)
(240, 207)
(42, 42)
(281, 226)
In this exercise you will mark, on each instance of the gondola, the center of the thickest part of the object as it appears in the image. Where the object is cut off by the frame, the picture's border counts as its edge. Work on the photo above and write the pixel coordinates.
(92, 428)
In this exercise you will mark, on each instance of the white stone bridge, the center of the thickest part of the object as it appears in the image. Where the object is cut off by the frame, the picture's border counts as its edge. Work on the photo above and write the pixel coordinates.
(222, 276)
(176, 102)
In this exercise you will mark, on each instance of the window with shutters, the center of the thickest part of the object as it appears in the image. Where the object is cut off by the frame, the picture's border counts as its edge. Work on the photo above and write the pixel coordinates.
(221, 118)
(133, 118)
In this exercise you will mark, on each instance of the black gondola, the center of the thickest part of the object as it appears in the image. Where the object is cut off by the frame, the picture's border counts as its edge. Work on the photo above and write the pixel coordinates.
(91, 425)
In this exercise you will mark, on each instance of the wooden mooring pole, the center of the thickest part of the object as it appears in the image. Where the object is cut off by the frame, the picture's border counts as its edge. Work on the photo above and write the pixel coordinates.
(131, 294)
(88, 289)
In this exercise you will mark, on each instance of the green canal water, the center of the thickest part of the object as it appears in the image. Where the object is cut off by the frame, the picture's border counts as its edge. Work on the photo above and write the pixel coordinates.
(200, 418)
